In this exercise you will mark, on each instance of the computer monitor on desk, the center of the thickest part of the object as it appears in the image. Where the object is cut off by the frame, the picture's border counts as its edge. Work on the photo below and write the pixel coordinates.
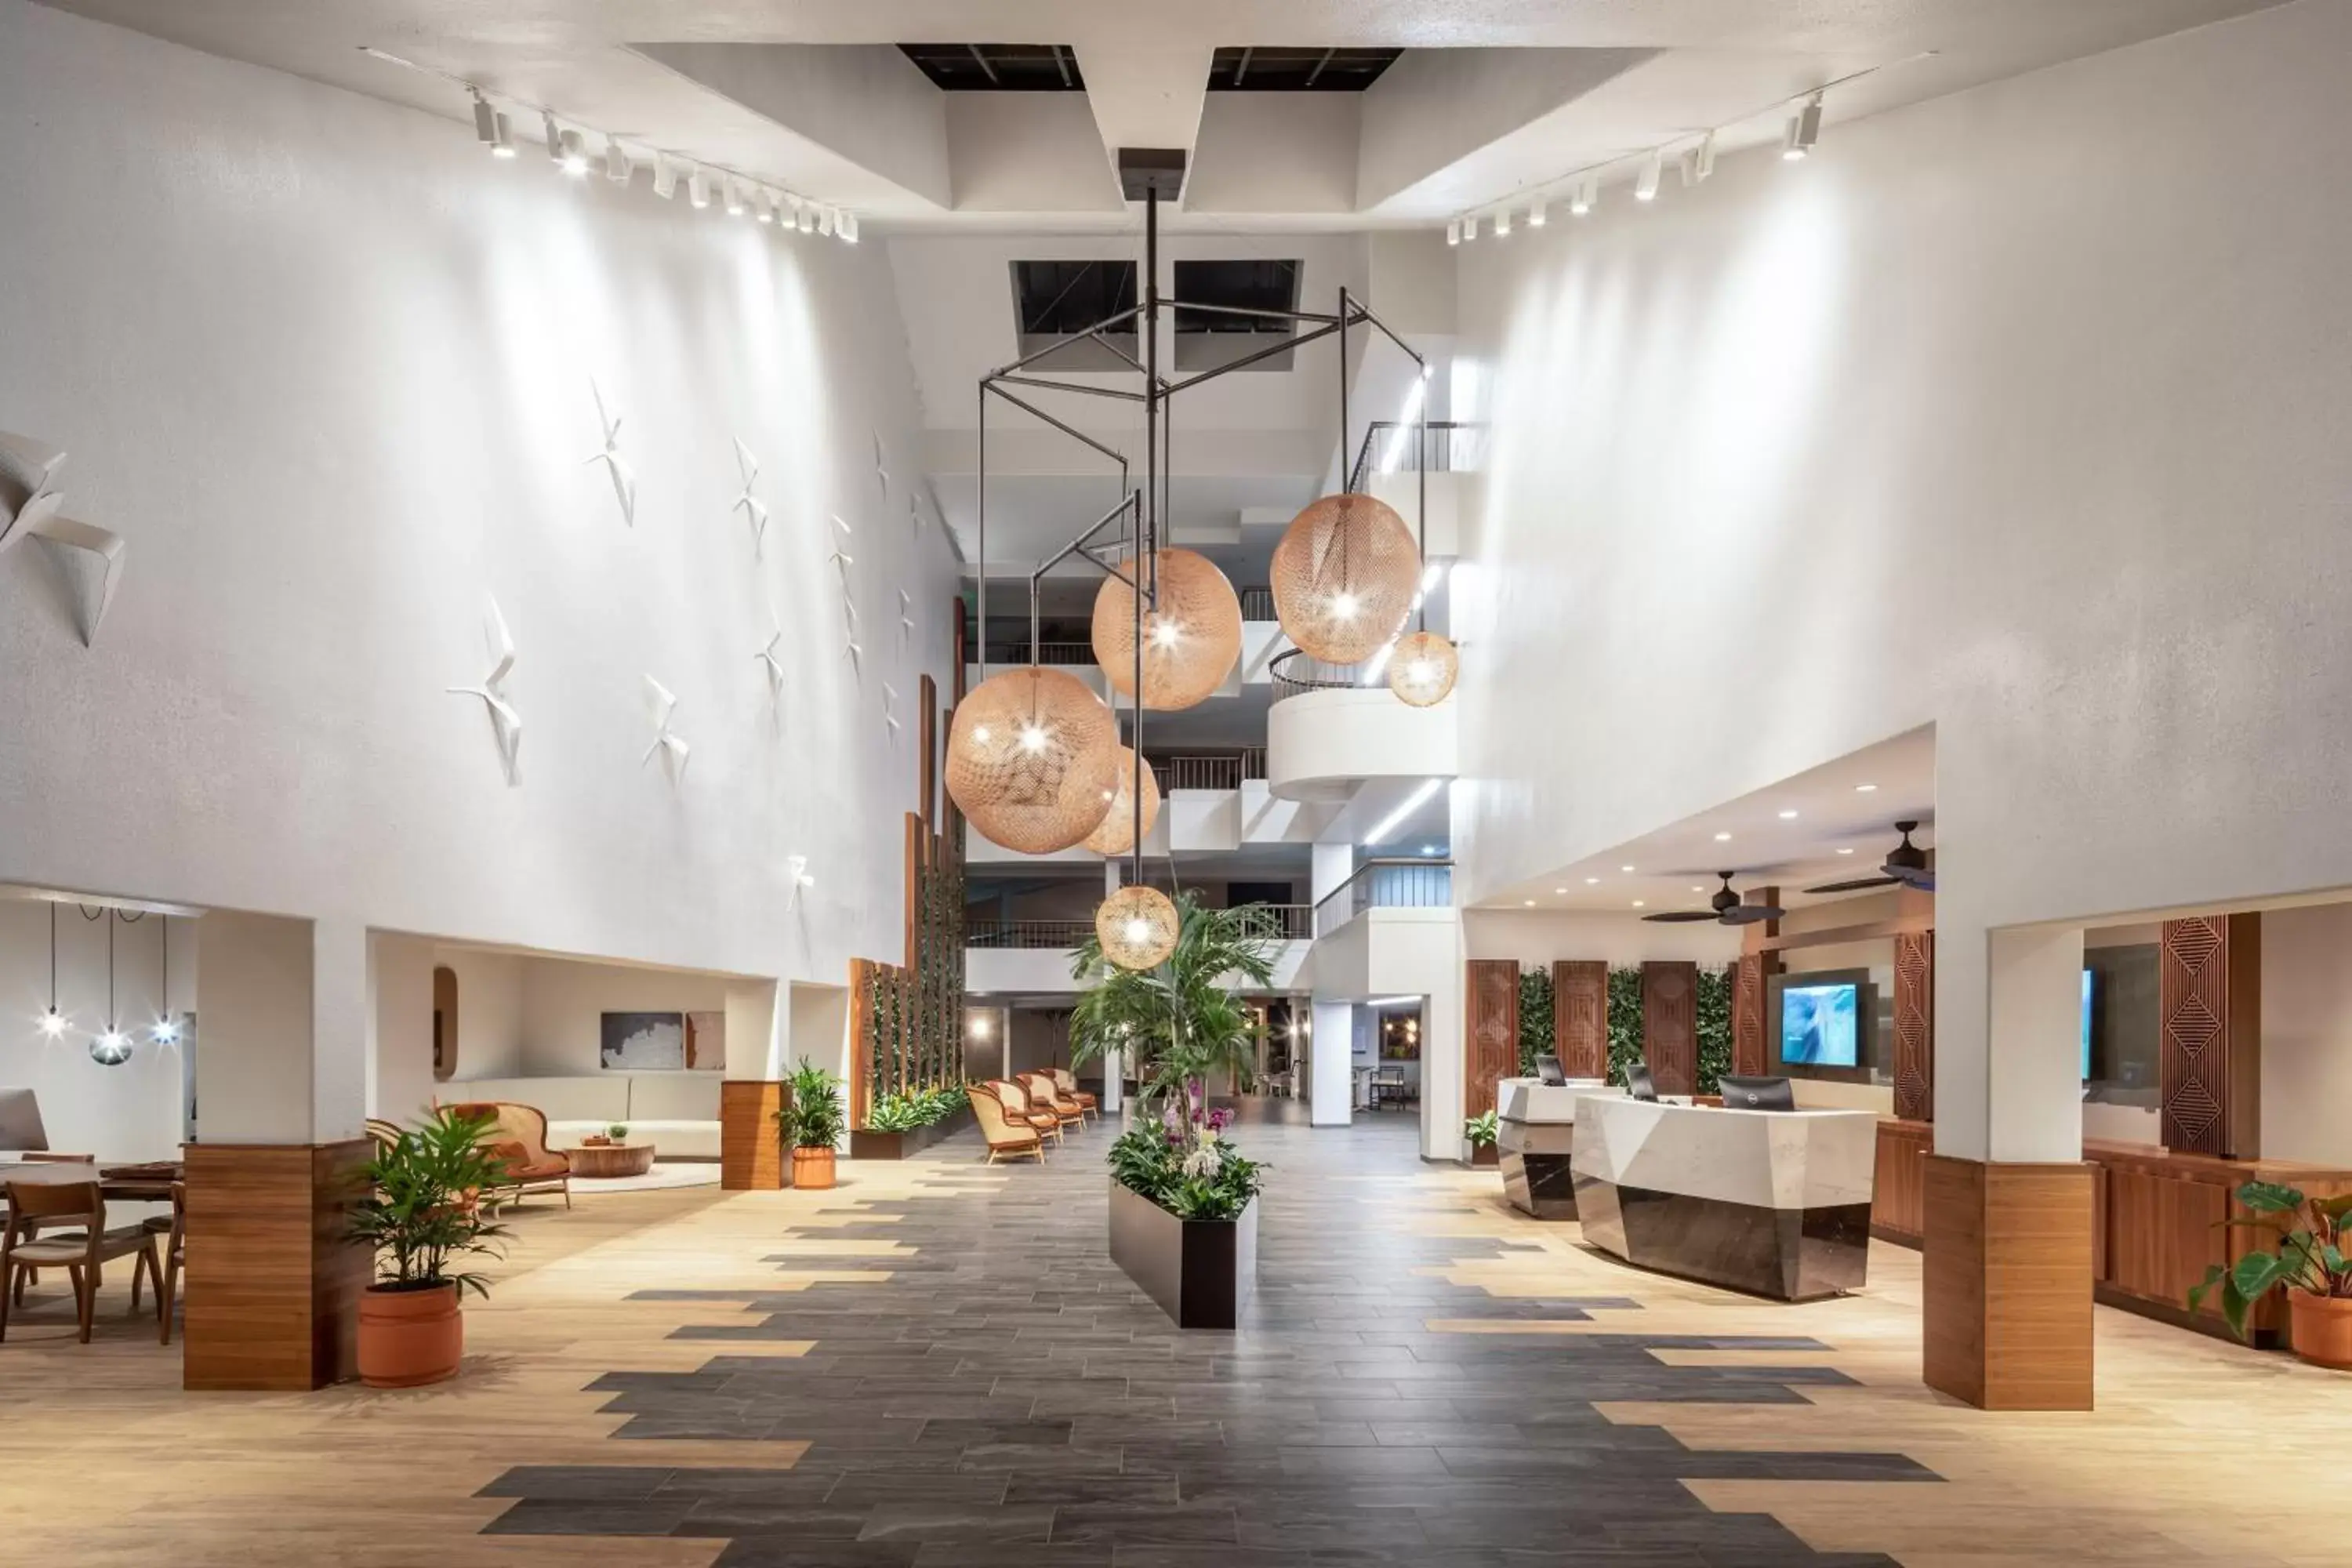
(1548, 1068)
(1758, 1094)
(1639, 1084)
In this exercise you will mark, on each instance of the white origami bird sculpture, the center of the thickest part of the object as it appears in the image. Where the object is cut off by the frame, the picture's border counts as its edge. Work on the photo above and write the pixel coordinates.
(27, 470)
(506, 724)
(841, 557)
(890, 706)
(881, 469)
(856, 656)
(88, 559)
(905, 615)
(667, 742)
(796, 868)
(624, 482)
(754, 510)
(773, 660)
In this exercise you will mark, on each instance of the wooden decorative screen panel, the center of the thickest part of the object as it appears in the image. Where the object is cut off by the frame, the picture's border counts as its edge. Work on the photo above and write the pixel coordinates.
(2209, 992)
(1669, 1025)
(1580, 1016)
(1494, 1031)
(1747, 1032)
(1915, 1026)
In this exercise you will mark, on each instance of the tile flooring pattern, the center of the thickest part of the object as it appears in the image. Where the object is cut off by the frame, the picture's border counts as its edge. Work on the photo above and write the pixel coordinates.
(1007, 1396)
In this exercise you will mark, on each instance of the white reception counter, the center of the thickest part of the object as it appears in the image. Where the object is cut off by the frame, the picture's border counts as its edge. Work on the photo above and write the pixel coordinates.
(1533, 1134)
(1776, 1203)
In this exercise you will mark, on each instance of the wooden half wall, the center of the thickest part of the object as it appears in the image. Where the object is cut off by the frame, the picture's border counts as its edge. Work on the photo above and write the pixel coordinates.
(273, 1288)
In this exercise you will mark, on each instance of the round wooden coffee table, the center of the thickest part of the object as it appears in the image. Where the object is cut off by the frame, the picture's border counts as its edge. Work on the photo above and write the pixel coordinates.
(607, 1160)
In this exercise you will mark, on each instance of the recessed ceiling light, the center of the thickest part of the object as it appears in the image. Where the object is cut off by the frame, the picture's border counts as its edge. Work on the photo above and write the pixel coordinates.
(1625, 867)
(1695, 887)
(1639, 904)
(1864, 789)
(1722, 838)
(1789, 815)
(1846, 851)
(1528, 902)
(1560, 890)
(1593, 881)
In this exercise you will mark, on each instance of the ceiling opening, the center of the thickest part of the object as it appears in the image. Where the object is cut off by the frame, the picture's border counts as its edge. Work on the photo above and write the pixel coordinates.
(998, 68)
(1207, 339)
(1297, 70)
(1052, 299)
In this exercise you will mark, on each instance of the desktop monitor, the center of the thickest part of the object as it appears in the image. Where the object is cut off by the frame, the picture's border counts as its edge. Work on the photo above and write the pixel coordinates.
(1639, 1084)
(1759, 1093)
(1548, 1068)
(1821, 1024)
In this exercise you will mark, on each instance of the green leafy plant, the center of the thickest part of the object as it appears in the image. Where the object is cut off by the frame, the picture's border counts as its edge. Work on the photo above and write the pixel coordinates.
(2309, 1255)
(1183, 1020)
(814, 1120)
(617, 1132)
(1712, 998)
(1624, 1021)
(422, 1211)
(895, 1113)
(1195, 1177)
(1535, 1017)
(1482, 1130)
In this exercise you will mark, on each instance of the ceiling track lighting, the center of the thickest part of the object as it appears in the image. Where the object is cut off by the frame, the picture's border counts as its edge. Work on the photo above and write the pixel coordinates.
(1804, 131)
(824, 223)
(807, 220)
(698, 190)
(1454, 232)
(1703, 159)
(664, 177)
(734, 198)
(1646, 188)
(618, 167)
(1580, 200)
(763, 206)
(1470, 228)
(1503, 224)
(1535, 214)
(846, 225)
(491, 128)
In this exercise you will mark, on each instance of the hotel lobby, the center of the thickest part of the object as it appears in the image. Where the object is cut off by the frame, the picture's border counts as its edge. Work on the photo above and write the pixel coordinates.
(1189, 788)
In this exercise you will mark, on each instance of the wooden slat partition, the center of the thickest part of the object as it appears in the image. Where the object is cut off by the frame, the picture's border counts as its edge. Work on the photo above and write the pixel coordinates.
(1748, 1031)
(1915, 1026)
(273, 1288)
(1670, 1024)
(1493, 1034)
(1580, 1016)
(2210, 1001)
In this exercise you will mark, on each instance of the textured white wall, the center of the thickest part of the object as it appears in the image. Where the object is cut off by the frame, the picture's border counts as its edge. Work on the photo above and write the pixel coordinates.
(2018, 411)
(327, 367)
(127, 1112)
(2307, 1033)
(1536, 938)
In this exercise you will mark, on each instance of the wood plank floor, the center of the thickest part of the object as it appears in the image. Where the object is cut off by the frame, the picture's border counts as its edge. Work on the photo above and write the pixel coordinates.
(935, 1364)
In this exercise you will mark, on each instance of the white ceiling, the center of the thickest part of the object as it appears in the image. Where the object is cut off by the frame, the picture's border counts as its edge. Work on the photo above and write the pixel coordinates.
(1839, 829)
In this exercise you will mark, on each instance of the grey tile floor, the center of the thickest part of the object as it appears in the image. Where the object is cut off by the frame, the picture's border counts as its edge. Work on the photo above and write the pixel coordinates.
(1008, 1398)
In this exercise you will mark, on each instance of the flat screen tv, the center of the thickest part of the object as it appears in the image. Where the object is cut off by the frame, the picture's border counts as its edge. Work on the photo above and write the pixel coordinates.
(2087, 1025)
(1821, 1024)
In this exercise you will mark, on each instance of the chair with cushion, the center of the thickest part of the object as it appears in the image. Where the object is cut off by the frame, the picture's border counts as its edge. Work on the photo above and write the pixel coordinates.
(173, 1233)
(517, 1135)
(1068, 1084)
(1016, 1100)
(1047, 1094)
(1007, 1139)
(34, 1205)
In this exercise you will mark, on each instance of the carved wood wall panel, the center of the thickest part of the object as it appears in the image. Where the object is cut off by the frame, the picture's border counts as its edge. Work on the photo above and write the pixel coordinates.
(1747, 1032)
(2209, 991)
(1915, 1026)
(1670, 1024)
(1580, 1016)
(1494, 1031)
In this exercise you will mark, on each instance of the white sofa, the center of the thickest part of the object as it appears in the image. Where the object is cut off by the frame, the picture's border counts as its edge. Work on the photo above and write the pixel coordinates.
(678, 1113)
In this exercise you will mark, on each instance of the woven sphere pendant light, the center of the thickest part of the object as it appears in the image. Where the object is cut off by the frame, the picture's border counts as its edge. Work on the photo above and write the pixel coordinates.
(1423, 668)
(1138, 926)
(1032, 758)
(1192, 635)
(1344, 575)
(1116, 833)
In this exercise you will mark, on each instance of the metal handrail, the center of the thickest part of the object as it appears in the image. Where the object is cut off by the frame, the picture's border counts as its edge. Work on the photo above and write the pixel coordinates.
(1280, 922)
(1027, 933)
(1257, 604)
(1010, 654)
(1297, 672)
(1372, 432)
(1386, 882)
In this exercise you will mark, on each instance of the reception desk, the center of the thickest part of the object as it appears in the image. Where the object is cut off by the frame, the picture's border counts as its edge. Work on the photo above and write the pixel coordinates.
(1773, 1203)
(1535, 1133)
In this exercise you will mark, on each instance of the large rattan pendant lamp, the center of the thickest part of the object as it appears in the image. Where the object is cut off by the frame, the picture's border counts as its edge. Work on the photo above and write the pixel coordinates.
(1116, 833)
(1343, 577)
(1033, 759)
(1191, 635)
(1138, 927)
(1422, 669)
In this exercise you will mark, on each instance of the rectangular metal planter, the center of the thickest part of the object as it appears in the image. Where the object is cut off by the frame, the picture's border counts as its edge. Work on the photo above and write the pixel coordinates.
(903, 1145)
(1201, 1272)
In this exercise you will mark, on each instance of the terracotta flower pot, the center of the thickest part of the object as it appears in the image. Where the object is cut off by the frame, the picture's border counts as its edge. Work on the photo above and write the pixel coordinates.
(2320, 1329)
(409, 1337)
(813, 1169)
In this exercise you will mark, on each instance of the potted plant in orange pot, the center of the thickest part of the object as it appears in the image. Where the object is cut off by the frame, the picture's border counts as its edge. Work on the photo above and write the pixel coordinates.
(812, 1122)
(2308, 1262)
(421, 1215)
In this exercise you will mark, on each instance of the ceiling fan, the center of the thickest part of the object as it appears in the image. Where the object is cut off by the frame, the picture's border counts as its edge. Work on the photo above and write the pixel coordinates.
(1725, 908)
(1906, 865)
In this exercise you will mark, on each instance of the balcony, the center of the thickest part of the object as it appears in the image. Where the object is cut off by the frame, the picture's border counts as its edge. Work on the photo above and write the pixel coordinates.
(1389, 930)
(1029, 957)
(1332, 728)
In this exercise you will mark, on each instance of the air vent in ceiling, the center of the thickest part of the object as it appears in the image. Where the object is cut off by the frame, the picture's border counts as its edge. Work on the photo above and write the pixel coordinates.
(1052, 299)
(1297, 70)
(1207, 339)
(998, 68)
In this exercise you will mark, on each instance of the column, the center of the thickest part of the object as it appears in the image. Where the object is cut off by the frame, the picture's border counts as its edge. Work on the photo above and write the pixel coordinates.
(282, 1076)
(759, 1047)
(1330, 1063)
(2006, 1275)
(1114, 1063)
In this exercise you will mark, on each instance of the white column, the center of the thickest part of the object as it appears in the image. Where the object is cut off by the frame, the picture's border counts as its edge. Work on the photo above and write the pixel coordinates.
(255, 1066)
(1330, 1049)
(758, 1040)
(2008, 1040)
(1328, 871)
(400, 1034)
(1114, 1062)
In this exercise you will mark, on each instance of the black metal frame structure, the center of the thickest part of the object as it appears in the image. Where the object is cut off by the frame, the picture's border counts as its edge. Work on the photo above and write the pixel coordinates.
(1144, 507)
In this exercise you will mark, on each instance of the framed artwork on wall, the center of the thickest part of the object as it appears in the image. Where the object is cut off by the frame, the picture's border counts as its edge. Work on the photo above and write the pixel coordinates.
(643, 1042)
(705, 1042)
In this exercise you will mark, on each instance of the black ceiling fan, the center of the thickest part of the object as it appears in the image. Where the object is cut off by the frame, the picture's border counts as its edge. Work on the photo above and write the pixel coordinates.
(1725, 908)
(1906, 865)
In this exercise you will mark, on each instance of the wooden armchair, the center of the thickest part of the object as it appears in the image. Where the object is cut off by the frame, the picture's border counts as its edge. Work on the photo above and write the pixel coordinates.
(1007, 1139)
(519, 1135)
(1047, 1094)
(1015, 1100)
(33, 1206)
(1068, 1084)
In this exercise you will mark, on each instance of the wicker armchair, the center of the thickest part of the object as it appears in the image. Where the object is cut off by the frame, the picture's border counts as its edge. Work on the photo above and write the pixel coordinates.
(1045, 1118)
(519, 1135)
(1007, 1138)
(1068, 1085)
(1046, 1094)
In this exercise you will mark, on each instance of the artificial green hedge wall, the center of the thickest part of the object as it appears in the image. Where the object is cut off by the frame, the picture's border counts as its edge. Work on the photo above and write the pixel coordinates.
(1626, 1022)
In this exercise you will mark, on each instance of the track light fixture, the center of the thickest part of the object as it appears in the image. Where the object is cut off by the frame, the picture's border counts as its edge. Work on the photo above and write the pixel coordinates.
(824, 223)
(618, 168)
(698, 190)
(808, 217)
(1454, 232)
(1503, 224)
(846, 227)
(491, 128)
(1469, 228)
(735, 207)
(1645, 189)
(664, 177)
(763, 206)
(1535, 214)
(1703, 159)
(1580, 200)
(575, 155)
(1804, 129)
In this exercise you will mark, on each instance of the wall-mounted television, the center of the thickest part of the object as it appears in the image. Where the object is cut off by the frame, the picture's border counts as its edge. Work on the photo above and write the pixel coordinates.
(1821, 1024)
(2086, 1025)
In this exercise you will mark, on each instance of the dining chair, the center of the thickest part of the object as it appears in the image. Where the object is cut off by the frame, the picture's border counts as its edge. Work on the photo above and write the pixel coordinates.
(174, 1235)
(37, 1206)
(42, 1157)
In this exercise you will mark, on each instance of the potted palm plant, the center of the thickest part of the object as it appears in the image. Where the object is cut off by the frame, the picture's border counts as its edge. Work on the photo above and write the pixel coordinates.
(422, 1215)
(1183, 1200)
(813, 1121)
(2308, 1262)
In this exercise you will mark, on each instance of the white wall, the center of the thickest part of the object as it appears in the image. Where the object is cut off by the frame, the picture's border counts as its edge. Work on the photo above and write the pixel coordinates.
(563, 1004)
(2018, 412)
(1538, 938)
(2307, 1034)
(126, 1113)
(327, 368)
